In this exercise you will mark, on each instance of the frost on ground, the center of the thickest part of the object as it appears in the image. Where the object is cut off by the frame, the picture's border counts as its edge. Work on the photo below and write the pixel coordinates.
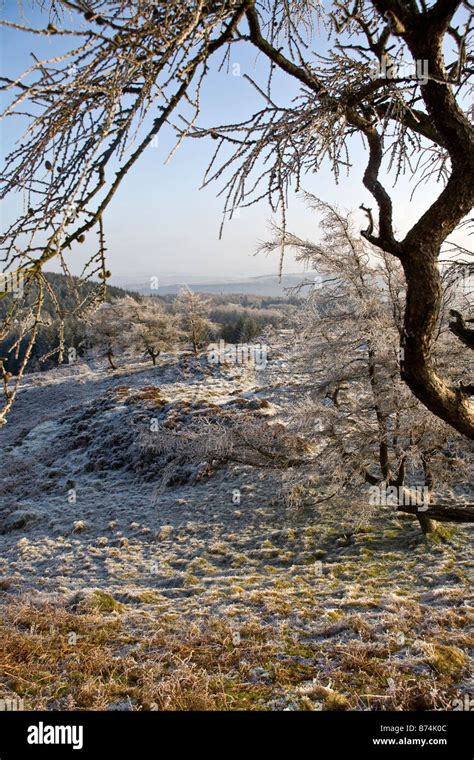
(209, 593)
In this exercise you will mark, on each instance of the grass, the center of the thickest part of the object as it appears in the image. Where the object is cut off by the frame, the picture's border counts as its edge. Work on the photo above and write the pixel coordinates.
(447, 660)
(379, 623)
(58, 659)
(103, 653)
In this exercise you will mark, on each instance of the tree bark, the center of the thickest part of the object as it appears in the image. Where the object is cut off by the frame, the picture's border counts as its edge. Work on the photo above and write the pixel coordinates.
(111, 361)
(423, 302)
(422, 244)
(460, 329)
(427, 524)
(424, 33)
(457, 513)
(381, 417)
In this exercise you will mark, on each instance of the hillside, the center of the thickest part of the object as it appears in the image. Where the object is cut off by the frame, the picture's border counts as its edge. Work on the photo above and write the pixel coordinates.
(211, 594)
(69, 293)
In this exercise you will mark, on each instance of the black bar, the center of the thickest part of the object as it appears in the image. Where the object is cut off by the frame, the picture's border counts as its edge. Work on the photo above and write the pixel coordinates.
(312, 734)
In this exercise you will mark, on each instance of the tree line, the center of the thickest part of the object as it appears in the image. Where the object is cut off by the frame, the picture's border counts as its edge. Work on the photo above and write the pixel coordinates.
(127, 322)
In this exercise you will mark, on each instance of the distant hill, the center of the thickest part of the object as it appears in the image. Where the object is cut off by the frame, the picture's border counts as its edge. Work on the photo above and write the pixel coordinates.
(265, 285)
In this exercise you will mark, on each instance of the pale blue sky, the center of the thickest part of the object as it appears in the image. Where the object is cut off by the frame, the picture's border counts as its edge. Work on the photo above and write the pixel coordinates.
(160, 222)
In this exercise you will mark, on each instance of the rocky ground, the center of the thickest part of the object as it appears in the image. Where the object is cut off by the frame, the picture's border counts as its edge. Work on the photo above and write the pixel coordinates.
(211, 593)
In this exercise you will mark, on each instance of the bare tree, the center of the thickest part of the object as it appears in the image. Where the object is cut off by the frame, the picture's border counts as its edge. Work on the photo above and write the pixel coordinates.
(367, 428)
(194, 311)
(132, 65)
(108, 327)
(355, 435)
(151, 328)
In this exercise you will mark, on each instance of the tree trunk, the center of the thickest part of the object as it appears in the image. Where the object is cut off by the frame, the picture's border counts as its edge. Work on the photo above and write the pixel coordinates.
(381, 417)
(457, 513)
(111, 361)
(427, 524)
(423, 301)
(419, 251)
(461, 330)
(6, 377)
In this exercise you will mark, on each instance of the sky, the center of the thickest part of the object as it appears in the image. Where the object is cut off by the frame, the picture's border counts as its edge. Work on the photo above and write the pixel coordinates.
(160, 223)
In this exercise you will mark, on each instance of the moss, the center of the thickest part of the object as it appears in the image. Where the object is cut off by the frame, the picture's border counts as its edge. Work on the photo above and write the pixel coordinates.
(293, 672)
(348, 568)
(391, 534)
(191, 580)
(61, 690)
(219, 548)
(269, 553)
(149, 597)
(247, 697)
(448, 661)
(442, 535)
(75, 675)
(374, 571)
(368, 603)
(336, 701)
(200, 564)
(101, 601)
(282, 584)
(306, 705)
(297, 649)
(333, 700)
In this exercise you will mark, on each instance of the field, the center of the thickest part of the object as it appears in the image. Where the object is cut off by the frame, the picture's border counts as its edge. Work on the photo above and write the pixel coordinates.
(211, 593)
